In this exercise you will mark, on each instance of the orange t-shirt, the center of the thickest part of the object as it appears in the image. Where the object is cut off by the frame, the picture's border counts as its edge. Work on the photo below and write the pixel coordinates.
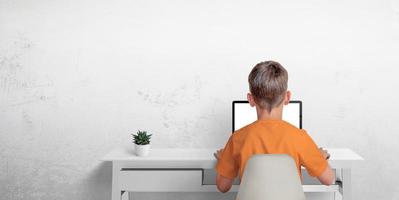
(270, 137)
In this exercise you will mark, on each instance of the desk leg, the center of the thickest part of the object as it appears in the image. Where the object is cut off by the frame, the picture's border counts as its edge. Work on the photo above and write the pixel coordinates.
(338, 179)
(346, 184)
(337, 196)
(116, 192)
(125, 195)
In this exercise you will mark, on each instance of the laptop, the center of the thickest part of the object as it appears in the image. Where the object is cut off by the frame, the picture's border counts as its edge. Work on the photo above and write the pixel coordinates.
(244, 114)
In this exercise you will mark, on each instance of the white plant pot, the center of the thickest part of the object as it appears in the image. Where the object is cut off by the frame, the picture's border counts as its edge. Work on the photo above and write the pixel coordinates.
(142, 150)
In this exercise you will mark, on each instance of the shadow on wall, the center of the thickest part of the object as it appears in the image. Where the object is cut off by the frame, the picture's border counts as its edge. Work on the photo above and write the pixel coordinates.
(98, 183)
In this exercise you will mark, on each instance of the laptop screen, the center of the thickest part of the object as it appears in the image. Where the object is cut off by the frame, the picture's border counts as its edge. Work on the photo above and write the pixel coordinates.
(244, 114)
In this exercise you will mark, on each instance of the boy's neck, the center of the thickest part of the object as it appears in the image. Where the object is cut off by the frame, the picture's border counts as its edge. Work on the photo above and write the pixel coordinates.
(275, 114)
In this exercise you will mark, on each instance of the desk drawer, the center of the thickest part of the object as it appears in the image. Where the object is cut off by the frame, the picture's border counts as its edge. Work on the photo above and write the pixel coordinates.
(160, 180)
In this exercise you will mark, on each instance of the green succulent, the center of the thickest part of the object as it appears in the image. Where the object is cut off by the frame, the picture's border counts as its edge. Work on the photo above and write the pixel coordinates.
(141, 138)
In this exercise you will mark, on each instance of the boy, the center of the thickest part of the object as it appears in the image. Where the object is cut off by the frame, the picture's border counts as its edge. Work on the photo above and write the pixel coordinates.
(270, 134)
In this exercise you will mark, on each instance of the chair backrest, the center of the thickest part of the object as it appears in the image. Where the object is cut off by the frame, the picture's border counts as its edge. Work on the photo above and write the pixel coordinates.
(270, 177)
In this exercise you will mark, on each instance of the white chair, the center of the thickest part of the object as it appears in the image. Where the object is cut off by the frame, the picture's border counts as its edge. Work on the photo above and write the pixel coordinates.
(270, 177)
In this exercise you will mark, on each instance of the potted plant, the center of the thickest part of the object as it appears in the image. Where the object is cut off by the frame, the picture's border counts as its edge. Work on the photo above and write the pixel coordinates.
(141, 141)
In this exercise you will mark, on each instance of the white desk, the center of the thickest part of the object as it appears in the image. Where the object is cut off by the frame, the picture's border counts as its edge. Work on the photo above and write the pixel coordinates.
(182, 170)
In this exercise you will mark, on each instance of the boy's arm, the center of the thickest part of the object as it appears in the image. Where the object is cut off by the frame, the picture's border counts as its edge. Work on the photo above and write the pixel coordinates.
(315, 160)
(226, 167)
(328, 176)
(223, 184)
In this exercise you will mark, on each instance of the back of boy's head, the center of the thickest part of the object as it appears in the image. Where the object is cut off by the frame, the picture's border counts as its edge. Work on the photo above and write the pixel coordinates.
(268, 84)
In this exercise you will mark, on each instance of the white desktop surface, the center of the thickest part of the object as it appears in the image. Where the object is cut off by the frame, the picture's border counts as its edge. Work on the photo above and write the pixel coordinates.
(203, 157)
(182, 170)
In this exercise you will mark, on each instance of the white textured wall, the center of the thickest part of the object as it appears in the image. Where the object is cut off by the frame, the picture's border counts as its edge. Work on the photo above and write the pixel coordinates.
(77, 77)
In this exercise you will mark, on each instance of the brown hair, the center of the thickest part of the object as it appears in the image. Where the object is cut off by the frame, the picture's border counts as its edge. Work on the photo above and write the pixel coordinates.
(268, 84)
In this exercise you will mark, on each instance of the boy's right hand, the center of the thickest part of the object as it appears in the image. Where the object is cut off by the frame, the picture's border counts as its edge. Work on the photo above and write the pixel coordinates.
(218, 153)
(325, 153)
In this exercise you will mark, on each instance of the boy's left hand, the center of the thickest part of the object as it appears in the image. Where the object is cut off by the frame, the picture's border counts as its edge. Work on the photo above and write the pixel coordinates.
(218, 153)
(325, 153)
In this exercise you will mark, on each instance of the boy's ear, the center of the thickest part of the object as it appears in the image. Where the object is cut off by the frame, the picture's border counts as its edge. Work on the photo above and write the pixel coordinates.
(287, 97)
(251, 99)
